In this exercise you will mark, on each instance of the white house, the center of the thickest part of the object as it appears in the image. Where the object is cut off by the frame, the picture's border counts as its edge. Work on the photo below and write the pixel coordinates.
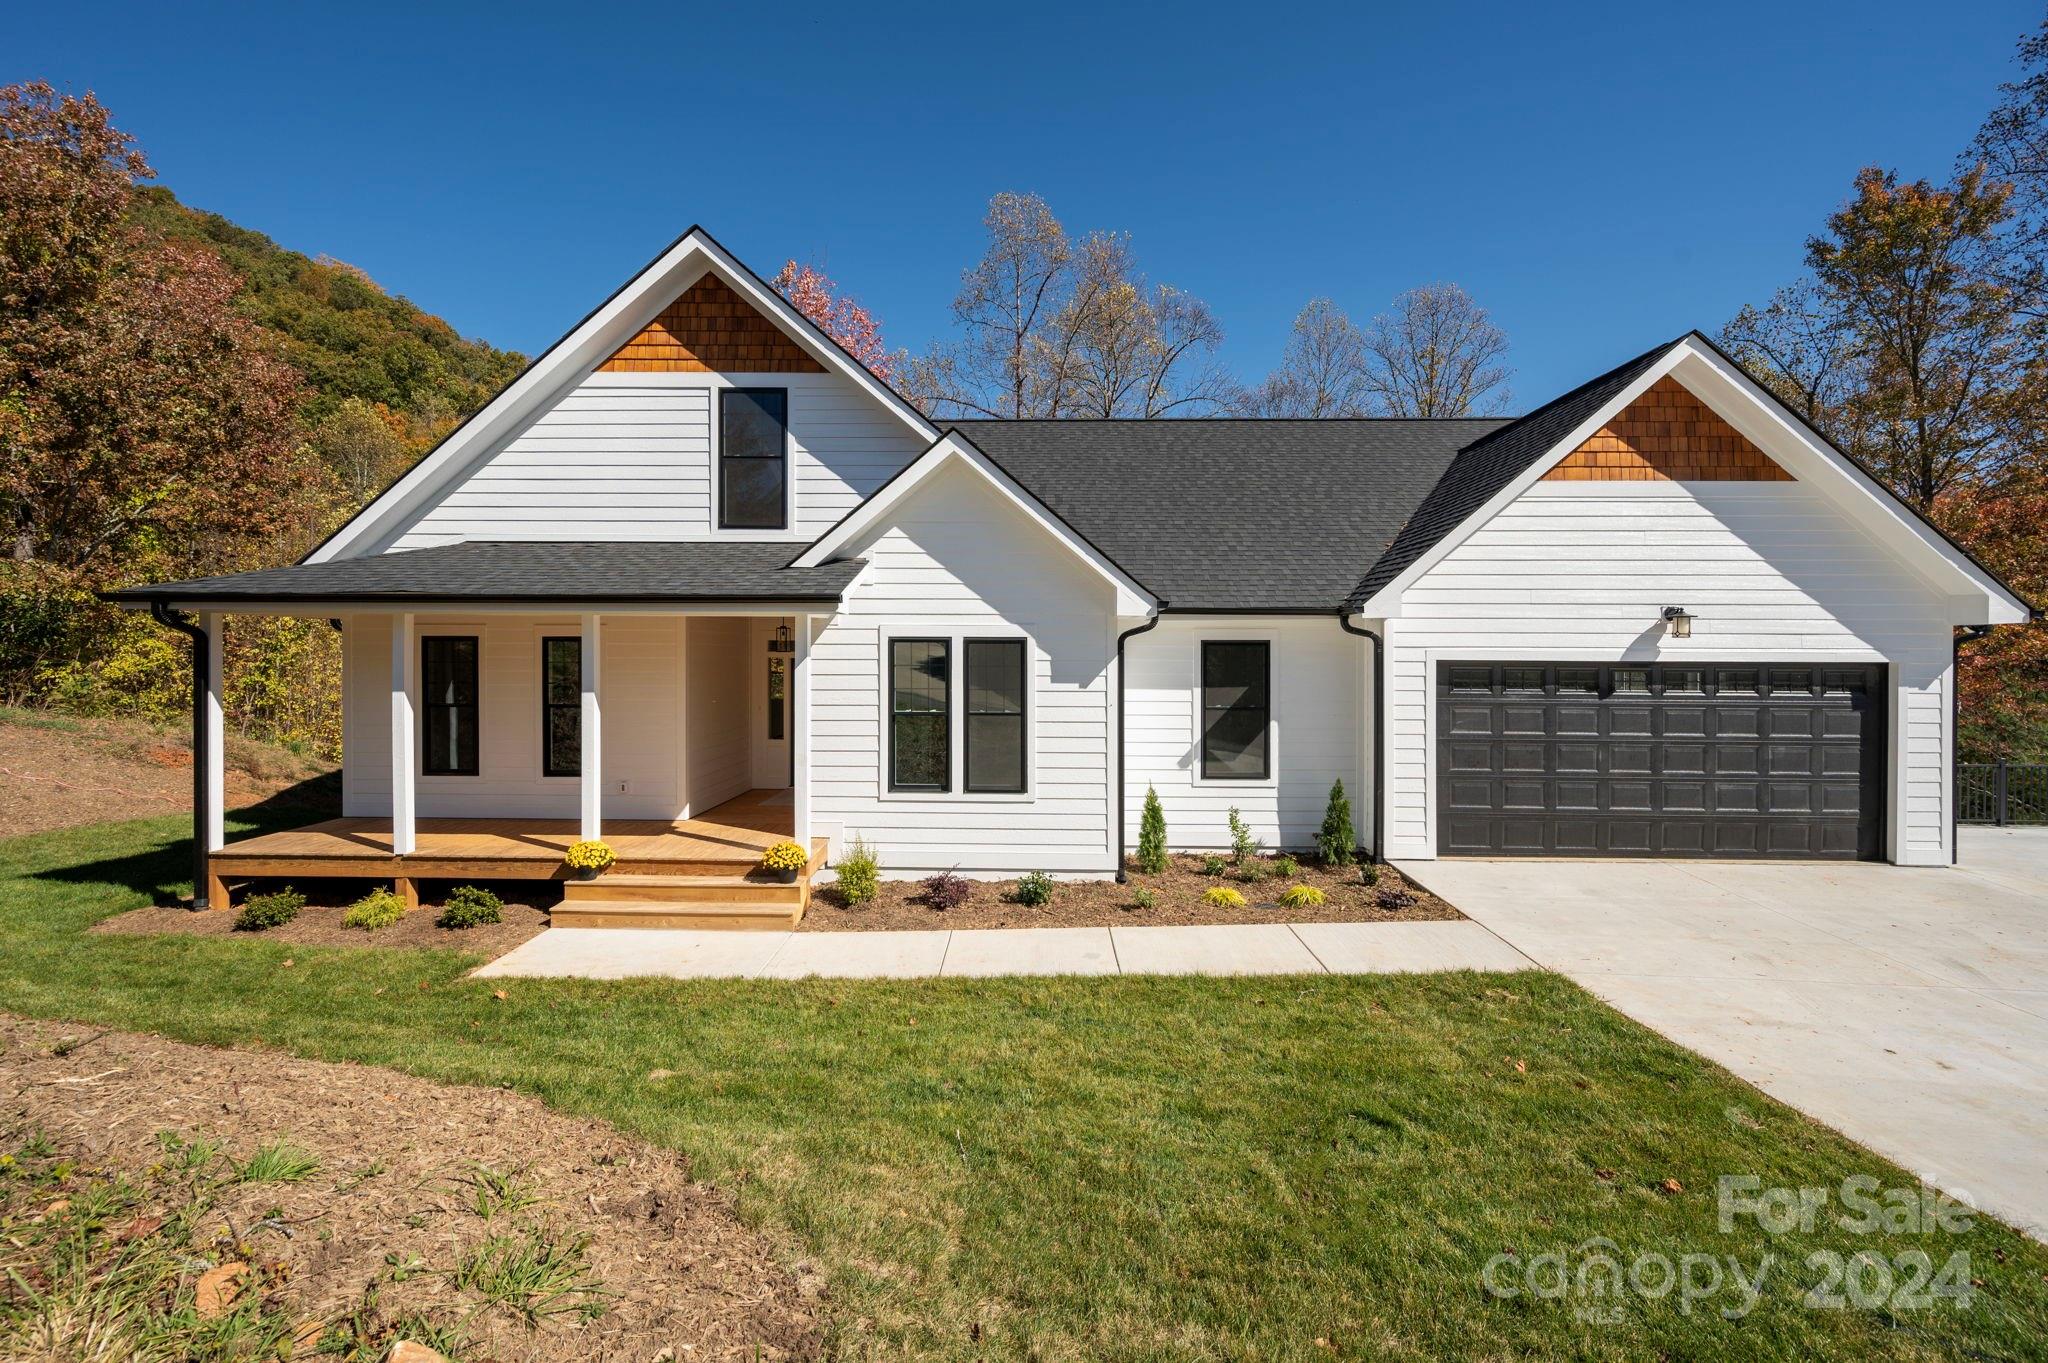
(698, 570)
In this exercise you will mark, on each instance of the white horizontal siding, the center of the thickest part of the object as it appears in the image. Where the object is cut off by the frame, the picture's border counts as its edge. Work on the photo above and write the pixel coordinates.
(1579, 571)
(957, 560)
(632, 457)
(1319, 673)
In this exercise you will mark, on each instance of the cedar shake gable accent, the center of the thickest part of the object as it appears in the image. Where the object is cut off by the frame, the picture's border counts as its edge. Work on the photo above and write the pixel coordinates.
(710, 329)
(1667, 435)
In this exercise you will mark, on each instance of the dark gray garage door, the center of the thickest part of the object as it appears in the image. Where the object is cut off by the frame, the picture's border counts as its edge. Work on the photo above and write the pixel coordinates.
(1707, 760)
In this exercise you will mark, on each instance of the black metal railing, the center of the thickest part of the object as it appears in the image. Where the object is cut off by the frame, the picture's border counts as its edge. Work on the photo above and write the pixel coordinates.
(2002, 792)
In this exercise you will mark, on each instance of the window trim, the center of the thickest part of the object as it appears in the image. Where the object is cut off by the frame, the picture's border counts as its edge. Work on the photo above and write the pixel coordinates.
(949, 643)
(1270, 775)
(719, 457)
(547, 770)
(1023, 712)
(475, 706)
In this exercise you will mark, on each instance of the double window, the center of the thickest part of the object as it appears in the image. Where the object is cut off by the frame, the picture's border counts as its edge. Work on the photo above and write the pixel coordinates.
(995, 756)
(753, 459)
(1237, 709)
(561, 705)
(448, 694)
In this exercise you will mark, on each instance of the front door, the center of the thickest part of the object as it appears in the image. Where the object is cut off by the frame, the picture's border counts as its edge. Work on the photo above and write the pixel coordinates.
(770, 710)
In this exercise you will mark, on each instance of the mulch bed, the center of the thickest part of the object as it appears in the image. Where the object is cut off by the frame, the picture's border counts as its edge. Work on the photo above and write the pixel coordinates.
(319, 923)
(397, 1185)
(1104, 903)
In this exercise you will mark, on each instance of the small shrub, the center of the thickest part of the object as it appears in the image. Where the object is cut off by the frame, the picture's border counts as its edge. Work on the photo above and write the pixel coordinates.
(279, 1163)
(860, 873)
(1213, 865)
(377, 909)
(1152, 835)
(1285, 867)
(1223, 897)
(1252, 872)
(1369, 874)
(592, 854)
(1392, 899)
(469, 906)
(270, 910)
(1142, 898)
(785, 856)
(946, 891)
(1303, 897)
(1243, 846)
(1034, 890)
(1336, 842)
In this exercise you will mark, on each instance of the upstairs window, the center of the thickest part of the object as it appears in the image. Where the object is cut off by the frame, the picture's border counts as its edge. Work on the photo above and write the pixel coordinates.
(1237, 709)
(753, 459)
(448, 710)
(561, 685)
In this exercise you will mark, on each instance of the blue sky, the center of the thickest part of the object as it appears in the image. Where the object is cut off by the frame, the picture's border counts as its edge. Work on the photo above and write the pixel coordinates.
(1600, 181)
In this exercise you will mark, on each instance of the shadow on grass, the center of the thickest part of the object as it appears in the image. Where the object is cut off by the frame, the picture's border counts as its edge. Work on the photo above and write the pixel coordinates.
(163, 872)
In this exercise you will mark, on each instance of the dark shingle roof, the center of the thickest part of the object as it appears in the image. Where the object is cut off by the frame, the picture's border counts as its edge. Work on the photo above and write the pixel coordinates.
(1232, 515)
(1487, 465)
(505, 570)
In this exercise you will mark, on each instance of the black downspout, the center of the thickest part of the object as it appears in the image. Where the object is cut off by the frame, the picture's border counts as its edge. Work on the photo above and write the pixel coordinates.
(202, 758)
(1968, 635)
(1379, 731)
(1123, 874)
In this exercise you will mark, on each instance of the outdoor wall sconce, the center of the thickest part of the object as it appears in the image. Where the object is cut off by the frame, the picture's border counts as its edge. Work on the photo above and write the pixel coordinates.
(1678, 621)
(781, 643)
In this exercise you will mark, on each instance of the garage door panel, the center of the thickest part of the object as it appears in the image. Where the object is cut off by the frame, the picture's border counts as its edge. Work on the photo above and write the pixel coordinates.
(1660, 760)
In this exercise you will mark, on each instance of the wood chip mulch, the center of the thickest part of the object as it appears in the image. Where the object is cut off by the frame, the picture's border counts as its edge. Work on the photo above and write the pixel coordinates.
(319, 923)
(398, 1156)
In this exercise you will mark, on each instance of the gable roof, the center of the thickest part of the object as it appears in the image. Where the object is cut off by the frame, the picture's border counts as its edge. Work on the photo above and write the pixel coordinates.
(588, 344)
(529, 571)
(1233, 514)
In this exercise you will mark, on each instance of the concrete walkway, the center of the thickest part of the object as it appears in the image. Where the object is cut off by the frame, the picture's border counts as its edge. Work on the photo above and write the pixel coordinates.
(1241, 949)
(1906, 1007)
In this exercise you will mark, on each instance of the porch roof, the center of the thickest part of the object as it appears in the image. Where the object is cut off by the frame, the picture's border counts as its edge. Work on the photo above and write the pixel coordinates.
(541, 572)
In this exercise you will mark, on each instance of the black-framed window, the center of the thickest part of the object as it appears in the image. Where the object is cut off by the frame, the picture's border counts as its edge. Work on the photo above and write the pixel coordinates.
(448, 704)
(778, 698)
(993, 721)
(753, 459)
(561, 705)
(920, 714)
(1237, 709)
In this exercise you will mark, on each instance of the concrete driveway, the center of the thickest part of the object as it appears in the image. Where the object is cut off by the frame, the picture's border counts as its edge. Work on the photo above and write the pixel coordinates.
(1907, 1008)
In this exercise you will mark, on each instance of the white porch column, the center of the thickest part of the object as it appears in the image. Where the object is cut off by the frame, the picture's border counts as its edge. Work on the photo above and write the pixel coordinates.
(592, 757)
(404, 737)
(215, 720)
(800, 735)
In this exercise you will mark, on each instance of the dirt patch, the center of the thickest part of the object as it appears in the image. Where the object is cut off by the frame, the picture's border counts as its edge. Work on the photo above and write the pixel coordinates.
(58, 771)
(525, 916)
(1178, 892)
(475, 1219)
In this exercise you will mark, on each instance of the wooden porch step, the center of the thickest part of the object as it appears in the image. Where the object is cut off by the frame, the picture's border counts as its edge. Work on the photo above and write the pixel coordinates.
(689, 889)
(712, 917)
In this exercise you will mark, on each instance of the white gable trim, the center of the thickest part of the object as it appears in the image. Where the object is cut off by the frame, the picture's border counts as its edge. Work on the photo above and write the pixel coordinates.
(1743, 404)
(949, 449)
(588, 344)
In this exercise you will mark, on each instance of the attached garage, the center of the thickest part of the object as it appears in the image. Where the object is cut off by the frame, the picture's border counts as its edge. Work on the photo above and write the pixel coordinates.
(1660, 760)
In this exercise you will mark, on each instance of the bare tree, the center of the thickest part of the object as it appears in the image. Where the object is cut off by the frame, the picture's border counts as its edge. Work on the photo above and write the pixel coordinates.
(1324, 371)
(1796, 346)
(1003, 304)
(1435, 354)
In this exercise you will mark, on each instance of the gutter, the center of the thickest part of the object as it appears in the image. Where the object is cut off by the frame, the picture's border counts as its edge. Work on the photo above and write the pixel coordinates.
(202, 758)
(1969, 634)
(1123, 874)
(1379, 730)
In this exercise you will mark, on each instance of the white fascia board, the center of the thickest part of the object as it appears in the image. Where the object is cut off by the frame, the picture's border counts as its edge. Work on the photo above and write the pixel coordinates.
(617, 320)
(455, 606)
(1385, 603)
(1131, 599)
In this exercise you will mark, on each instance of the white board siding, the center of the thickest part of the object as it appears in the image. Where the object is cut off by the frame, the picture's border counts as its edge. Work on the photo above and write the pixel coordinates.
(1579, 571)
(1320, 680)
(956, 560)
(633, 456)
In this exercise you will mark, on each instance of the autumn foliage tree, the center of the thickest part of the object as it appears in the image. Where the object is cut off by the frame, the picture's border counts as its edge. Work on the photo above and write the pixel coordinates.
(817, 297)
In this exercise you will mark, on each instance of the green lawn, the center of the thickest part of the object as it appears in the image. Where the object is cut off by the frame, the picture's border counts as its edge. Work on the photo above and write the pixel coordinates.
(1097, 1169)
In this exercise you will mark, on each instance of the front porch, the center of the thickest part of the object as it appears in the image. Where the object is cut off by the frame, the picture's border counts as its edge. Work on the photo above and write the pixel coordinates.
(698, 872)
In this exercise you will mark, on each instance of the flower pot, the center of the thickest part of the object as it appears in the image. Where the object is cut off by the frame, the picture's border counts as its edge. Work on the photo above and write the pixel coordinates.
(586, 872)
(782, 877)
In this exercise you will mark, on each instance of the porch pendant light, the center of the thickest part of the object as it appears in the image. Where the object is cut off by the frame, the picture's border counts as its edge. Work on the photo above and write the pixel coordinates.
(1678, 621)
(781, 643)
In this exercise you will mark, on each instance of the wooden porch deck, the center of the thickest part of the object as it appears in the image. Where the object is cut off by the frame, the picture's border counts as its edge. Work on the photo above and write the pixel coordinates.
(726, 841)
